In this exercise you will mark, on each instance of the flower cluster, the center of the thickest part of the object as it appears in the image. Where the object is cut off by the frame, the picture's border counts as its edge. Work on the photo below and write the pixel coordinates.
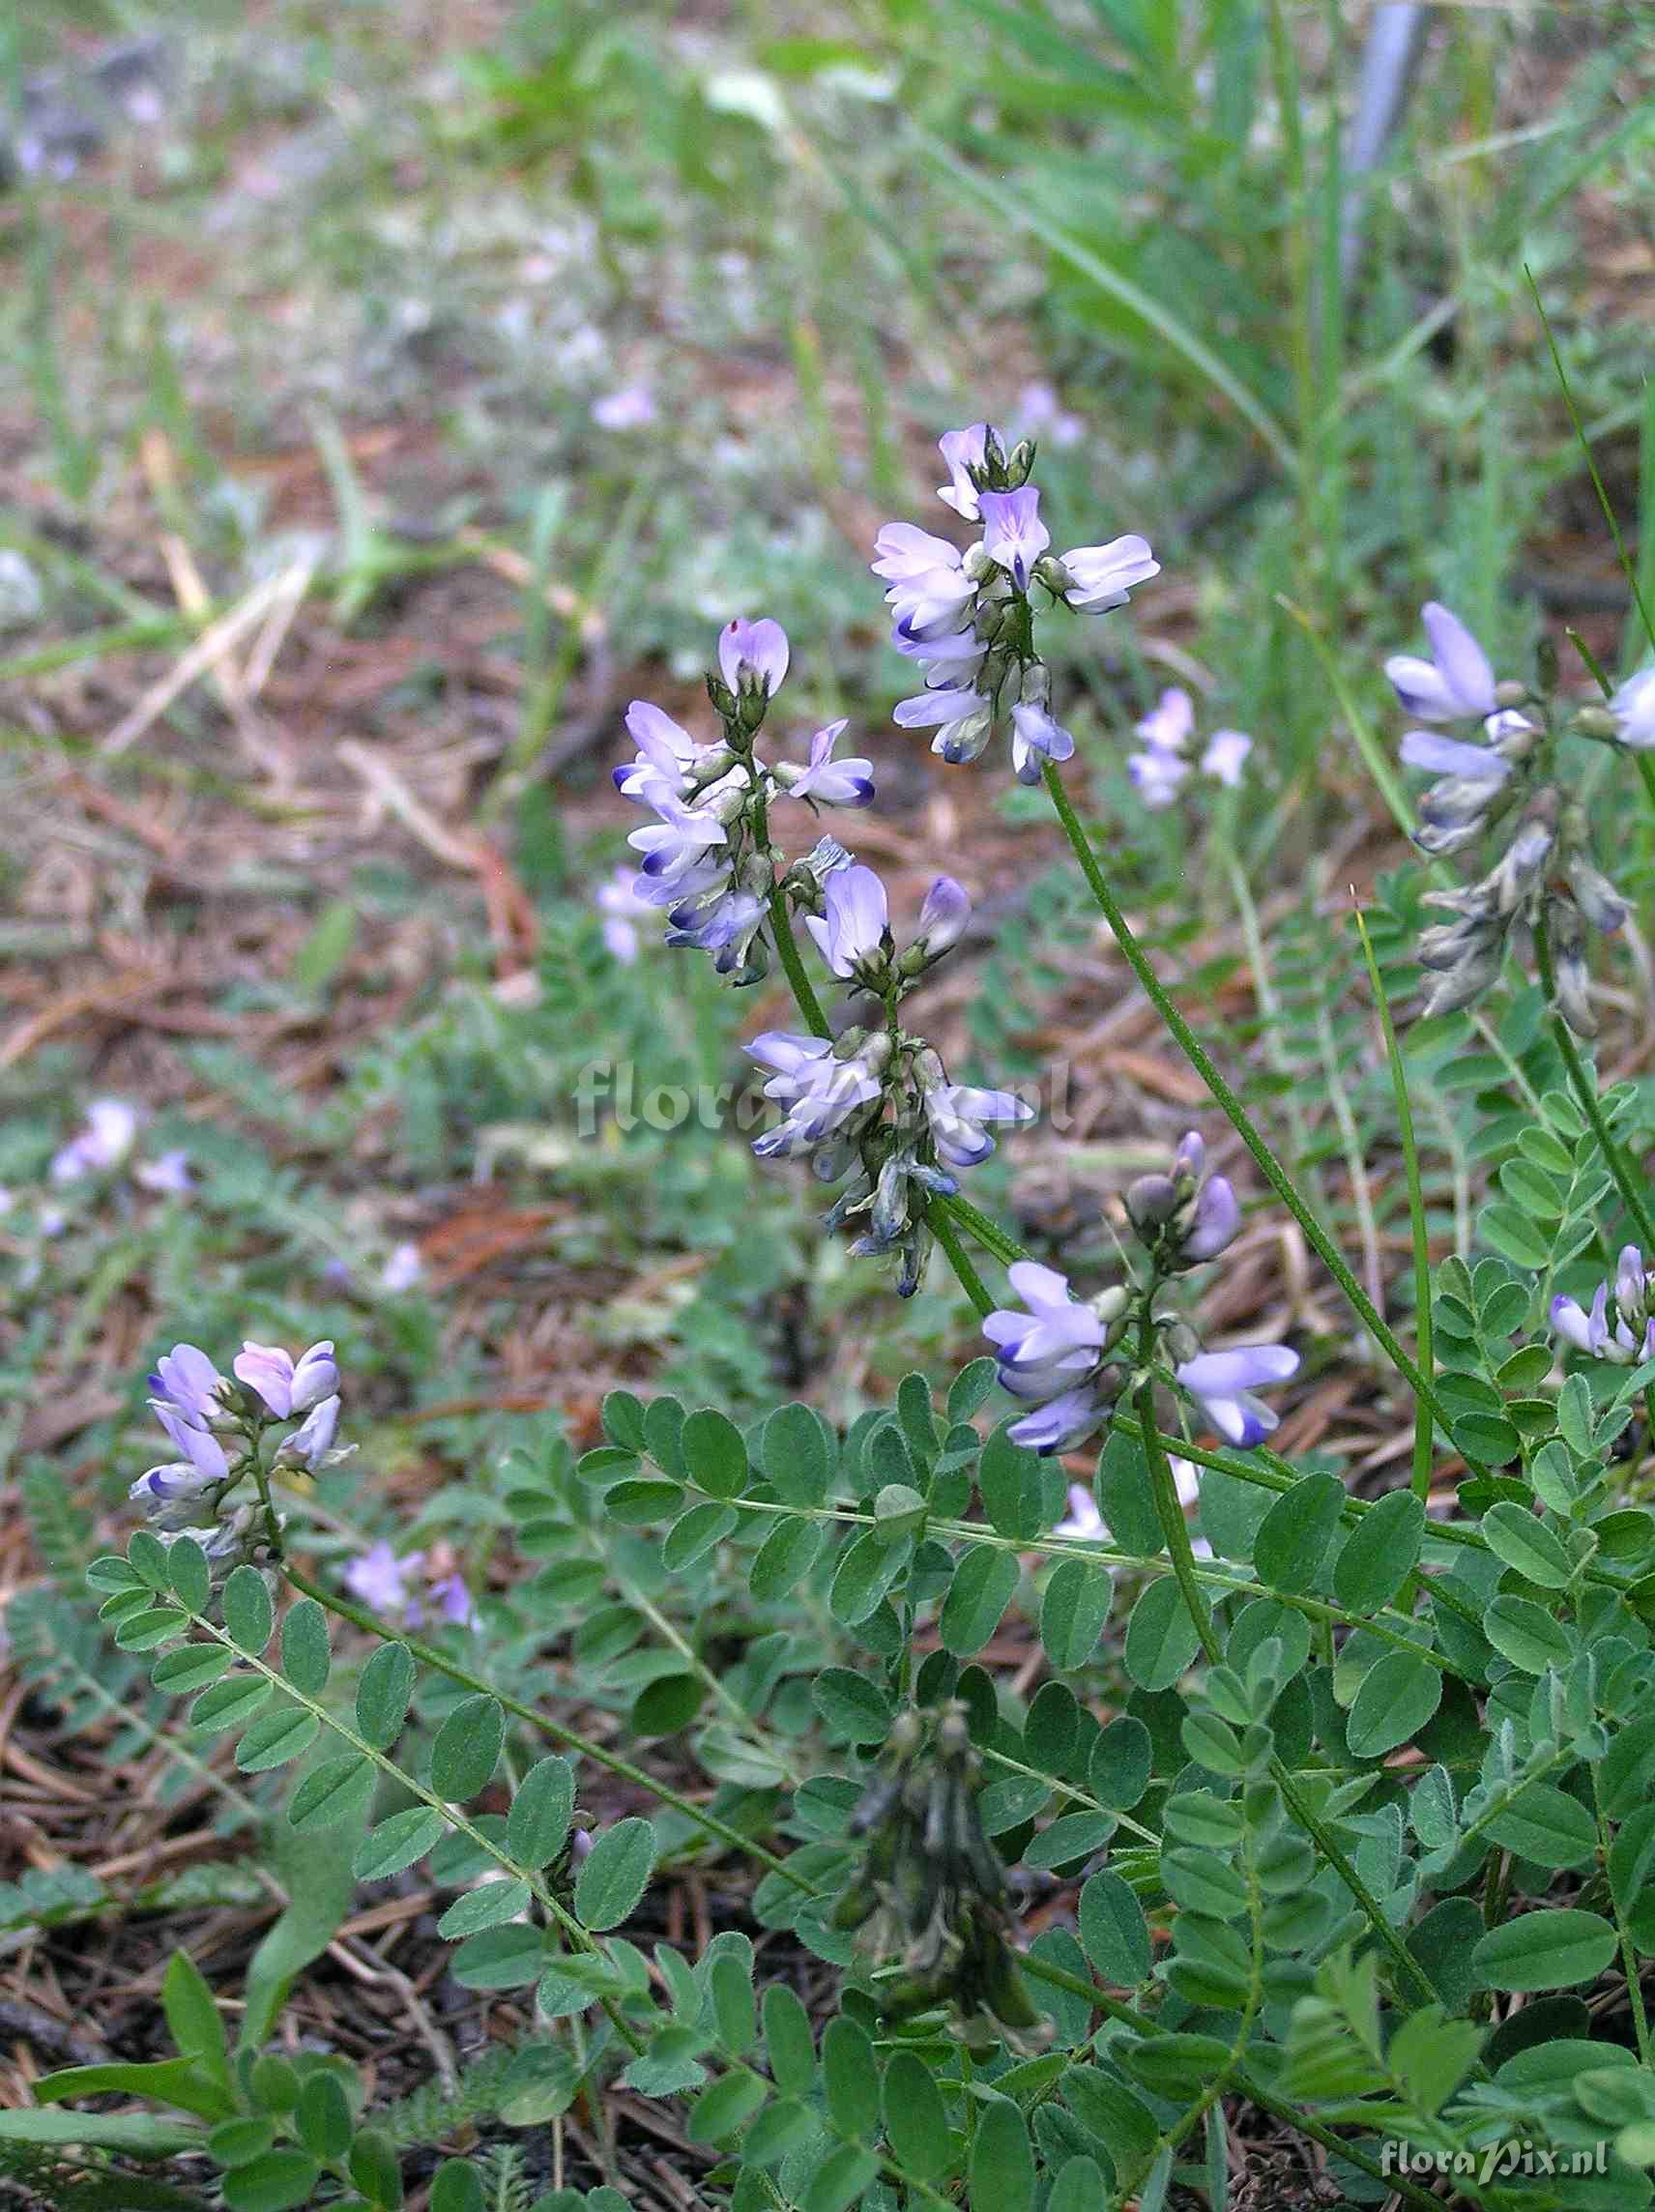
(379, 1579)
(224, 1432)
(1160, 768)
(106, 1142)
(1620, 1324)
(707, 859)
(1068, 1359)
(1503, 778)
(932, 1889)
(873, 1098)
(966, 619)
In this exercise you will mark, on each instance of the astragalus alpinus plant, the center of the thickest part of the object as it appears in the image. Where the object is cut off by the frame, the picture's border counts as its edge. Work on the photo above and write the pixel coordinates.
(1343, 1842)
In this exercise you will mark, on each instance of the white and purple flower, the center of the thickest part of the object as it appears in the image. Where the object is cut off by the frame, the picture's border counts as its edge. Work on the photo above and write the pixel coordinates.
(1101, 577)
(820, 1091)
(622, 909)
(675, 850)
(1222, 1384)
(853, 933)
(1633, 707)
(288, 1386)
(1014, 537)
(964, 455)
(1036, 738)
(830, 782)
(1619, 1326)
(109, 1134)
(957, 1115)
(1456, 683)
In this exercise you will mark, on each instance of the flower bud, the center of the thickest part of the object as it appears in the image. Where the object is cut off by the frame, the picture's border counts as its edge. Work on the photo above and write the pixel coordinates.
(1511, 694)
(943, 917)
(1018, 463)
(1151, 1201)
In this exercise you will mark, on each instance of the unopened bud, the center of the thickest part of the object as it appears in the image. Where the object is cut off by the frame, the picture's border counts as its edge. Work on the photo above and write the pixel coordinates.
(1151, 1202)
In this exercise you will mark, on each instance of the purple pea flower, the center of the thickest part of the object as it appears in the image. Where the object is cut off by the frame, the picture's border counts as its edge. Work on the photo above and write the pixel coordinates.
(112, 1129)
(963, 451)
(1456, 683)
(1036, 738)
(830, 782)
(1056, 1345)
(1441, 755)
(1059, 1424)
(852, 932)
(379, 1580)
(167, 1174)
(666, 755)
(189, 1382)
(1633, 707)
(287, 1385)
(818, 1091)
(753, 656)
(313, 1440)
(199, 1444)
(1170, 723)
(943, 917)
(1102, 577)
(1226, 752)
(631, 408)
(1157, 774)
(956, 1113)
(1217, 1220)
(1222, 1384)
(1014, 537)
(675, 848)
(622, 910)
(453, 1600)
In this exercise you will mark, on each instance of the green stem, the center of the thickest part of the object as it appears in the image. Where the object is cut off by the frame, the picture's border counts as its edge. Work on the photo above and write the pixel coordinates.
(1586, 1096)
(970, 1281)
(532, 1879)
(986, 1229)
(429, 1655)
(787, 947)
(1193, 1050)
(1175, 1529)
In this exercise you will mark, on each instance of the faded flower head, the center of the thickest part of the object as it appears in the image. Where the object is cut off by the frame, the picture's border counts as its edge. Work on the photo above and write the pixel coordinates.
(931, 1891)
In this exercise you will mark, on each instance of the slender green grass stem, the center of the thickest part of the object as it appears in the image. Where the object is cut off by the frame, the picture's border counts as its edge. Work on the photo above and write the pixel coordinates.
(1586, 1096)
(1240, 1121)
